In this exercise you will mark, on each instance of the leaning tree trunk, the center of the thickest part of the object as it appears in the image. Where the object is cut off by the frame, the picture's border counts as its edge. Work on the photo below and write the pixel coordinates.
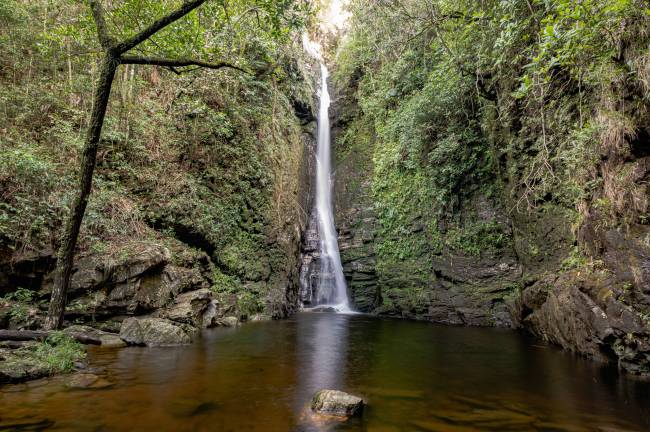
(63, 273)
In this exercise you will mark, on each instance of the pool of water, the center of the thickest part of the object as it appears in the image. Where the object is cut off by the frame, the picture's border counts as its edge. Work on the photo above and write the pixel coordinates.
(414, 376)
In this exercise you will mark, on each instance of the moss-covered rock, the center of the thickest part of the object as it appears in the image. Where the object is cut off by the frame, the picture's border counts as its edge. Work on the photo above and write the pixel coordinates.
(57, 354)
(337, 403)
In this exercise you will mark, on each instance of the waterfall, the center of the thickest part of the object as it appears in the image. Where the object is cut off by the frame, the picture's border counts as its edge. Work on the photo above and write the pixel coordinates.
(321, 274)
(332, 289)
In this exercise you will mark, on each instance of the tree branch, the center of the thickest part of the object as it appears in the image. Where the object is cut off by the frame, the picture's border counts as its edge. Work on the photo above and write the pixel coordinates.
(188, 6)
(98, 16)
(176, 63)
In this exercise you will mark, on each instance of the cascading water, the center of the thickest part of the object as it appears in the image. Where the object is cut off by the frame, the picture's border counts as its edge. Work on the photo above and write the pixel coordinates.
(321, 274)
(332, 289)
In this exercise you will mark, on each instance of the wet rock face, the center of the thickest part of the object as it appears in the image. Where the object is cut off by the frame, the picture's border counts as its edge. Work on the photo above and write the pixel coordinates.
(450, 286)
(587, 313)
(337, 403)
(600, 308)
(141, 282)
(310, 262)
(356, 236)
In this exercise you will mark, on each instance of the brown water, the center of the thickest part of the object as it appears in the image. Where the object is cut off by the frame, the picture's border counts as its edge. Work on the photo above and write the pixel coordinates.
(415, 376)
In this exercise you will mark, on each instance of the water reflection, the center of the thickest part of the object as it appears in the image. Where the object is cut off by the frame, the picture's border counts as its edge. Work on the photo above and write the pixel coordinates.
(321, 352)
(416, 376)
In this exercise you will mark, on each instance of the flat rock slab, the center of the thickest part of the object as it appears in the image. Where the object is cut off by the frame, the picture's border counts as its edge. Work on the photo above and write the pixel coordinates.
(337, 403)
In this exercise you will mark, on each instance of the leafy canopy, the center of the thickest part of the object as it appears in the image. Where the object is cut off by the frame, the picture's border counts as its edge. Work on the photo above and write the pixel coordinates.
(239, 30)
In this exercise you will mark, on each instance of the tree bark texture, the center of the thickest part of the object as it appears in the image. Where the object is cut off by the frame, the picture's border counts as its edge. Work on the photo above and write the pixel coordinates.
(71, 234)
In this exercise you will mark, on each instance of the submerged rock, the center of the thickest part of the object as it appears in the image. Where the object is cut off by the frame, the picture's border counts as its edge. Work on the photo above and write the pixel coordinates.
(86, 380)
(337, 403)
(153, 332)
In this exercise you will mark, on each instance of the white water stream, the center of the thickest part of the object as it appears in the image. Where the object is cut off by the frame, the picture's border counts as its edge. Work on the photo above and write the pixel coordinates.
(332, 289)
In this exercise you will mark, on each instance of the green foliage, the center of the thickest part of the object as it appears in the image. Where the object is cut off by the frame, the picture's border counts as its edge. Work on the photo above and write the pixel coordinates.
(575, 260)
(24, 174)
(59, 352)
(249, 304)
(21, 295)
(243, 31)
(511, 102)
(223, 283)
(20, 300)
(205, 160)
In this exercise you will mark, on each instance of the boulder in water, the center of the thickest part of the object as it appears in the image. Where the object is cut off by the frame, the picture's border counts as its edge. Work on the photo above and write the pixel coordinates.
(190, 307)
(229, 321)
(336, 403)
(153, 332)
(110, 340)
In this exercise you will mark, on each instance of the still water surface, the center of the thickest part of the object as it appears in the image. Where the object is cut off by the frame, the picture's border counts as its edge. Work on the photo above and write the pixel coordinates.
(415, 376)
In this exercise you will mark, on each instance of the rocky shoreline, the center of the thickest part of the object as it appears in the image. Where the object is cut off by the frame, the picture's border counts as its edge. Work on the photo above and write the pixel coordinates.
(142, 300)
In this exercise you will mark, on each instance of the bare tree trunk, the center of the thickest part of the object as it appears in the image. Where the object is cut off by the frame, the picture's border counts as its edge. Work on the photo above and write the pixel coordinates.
(69, 241)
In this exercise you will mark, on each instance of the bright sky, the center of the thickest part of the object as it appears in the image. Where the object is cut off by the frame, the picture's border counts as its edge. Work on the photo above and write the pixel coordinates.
(334, 16)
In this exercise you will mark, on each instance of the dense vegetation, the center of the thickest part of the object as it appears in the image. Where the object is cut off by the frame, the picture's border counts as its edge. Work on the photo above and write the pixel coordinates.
(202, 162)
(510, 132)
